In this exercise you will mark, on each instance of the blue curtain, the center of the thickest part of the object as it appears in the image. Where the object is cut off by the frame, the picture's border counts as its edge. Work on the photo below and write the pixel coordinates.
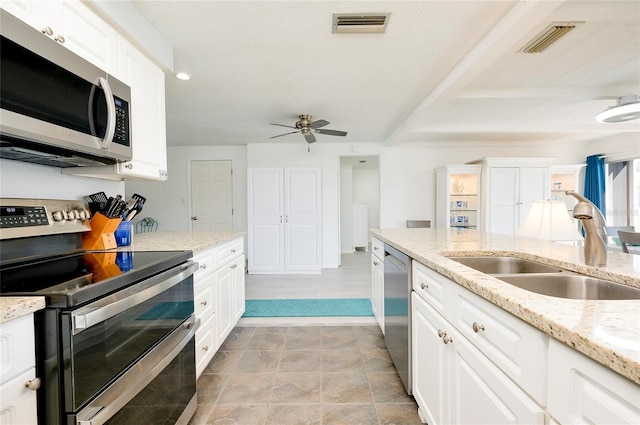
(594, 182)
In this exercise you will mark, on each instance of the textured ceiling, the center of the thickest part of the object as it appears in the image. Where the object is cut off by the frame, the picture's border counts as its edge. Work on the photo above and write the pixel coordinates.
(444, 71)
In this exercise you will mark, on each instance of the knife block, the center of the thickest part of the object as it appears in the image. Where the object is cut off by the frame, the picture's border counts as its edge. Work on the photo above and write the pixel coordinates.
(102, 231)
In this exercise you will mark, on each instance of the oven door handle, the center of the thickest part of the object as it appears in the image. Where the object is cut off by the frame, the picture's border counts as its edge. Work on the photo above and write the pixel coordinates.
(122, 391)
(105, 308)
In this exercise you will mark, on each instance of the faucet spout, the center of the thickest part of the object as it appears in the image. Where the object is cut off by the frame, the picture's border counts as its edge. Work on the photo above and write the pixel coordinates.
(592, 220)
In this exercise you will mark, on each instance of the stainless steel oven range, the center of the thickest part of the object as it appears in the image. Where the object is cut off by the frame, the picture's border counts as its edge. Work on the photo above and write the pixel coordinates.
(115, 343)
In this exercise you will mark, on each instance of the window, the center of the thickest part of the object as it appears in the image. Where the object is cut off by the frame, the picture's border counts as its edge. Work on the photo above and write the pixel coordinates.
(623, 193)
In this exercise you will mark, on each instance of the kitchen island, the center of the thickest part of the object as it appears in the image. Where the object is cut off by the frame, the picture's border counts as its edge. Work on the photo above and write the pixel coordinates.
(605, 331)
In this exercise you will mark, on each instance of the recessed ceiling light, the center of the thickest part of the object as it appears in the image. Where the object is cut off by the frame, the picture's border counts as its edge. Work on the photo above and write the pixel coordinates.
(183, 76)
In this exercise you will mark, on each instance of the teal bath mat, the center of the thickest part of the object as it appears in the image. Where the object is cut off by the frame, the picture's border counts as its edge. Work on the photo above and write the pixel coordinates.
(308, 307)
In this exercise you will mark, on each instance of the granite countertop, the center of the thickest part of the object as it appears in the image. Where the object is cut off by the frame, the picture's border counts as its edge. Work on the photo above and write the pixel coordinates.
(14, 307)
(179, 241)
(606, 331)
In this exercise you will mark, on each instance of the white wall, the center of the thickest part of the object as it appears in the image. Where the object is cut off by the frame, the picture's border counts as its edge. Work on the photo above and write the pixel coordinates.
(346, 202)
(366, 190)
(169, 202)
(24, 180)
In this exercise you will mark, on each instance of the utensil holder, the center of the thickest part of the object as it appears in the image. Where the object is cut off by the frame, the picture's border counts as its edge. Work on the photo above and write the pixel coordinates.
(101, 234)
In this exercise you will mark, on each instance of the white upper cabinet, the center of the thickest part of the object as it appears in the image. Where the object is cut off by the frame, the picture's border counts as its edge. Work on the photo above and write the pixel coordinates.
(509, 187)
(74, 26)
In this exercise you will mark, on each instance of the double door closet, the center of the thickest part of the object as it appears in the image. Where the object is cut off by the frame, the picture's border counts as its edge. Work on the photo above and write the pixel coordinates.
(284, 220)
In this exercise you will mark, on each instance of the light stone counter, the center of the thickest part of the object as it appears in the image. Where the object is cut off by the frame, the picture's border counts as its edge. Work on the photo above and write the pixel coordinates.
(14, 307)
(180, 241)
(606, 331)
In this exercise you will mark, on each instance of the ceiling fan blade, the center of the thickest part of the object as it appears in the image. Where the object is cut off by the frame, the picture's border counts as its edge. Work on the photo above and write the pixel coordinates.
(282, 125)
(318, 124)
(285, 134)
(310, 138)
(331, 132)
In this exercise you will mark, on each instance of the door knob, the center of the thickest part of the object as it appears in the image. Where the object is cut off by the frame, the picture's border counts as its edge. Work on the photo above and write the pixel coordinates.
(194, 218)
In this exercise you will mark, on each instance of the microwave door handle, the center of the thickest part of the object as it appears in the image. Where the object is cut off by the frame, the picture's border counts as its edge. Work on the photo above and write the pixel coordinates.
(111, 113)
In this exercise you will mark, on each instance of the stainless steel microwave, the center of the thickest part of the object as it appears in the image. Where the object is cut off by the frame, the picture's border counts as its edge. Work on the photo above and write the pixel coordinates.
(56, 108)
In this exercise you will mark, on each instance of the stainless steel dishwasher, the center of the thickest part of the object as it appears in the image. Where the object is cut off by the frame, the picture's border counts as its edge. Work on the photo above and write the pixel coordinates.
(397, 311)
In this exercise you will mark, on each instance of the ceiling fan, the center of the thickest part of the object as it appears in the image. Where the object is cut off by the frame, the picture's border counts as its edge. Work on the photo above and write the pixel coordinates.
(308, 128)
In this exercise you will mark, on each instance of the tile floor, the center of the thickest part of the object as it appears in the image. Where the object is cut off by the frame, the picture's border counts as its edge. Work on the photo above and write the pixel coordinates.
(307, 375)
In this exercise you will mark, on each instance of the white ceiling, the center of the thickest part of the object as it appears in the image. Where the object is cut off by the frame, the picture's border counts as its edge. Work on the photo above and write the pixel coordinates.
(444, 73)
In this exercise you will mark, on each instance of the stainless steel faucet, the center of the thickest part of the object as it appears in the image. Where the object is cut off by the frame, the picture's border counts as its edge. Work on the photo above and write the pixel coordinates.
(595, 247)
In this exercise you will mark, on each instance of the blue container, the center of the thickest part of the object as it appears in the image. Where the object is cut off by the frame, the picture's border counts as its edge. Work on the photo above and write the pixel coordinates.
(124, 233)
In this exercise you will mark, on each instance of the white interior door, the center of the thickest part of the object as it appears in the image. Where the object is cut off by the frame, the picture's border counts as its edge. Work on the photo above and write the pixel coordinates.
(211, 196)
(265, 220)
(302, 219)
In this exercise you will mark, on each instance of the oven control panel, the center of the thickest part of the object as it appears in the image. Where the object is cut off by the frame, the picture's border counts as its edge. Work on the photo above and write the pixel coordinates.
(38, 217)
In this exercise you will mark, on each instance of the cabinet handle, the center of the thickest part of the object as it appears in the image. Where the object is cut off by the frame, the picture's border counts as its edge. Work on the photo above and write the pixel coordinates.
(286, 218)
(375, 248)
(280, 219)
(441, 333)
(424, 285)
(33, 384)
(233, 251)
(477, 327)
(447, 339)
(203, 302)
(205, 348)
(233, 266)
(47, 31)
(203, 266)
(128, 165)
(375, 263)
(60, 39)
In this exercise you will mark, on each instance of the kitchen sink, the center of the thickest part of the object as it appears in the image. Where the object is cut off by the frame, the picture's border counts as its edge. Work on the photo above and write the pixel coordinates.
(549, 280)
(505, 265)
(574, 286)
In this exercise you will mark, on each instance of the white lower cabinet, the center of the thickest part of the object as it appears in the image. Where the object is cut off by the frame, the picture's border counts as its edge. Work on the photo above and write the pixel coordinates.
(453, 382)
(377, 281)
(218, 297)
(18, 403)
(583, 391)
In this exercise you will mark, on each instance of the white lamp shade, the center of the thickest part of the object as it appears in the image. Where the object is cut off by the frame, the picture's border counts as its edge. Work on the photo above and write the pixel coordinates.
(549, 220)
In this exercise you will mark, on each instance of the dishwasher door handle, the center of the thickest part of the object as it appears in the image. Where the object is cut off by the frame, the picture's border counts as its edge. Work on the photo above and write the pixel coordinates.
(400, 264)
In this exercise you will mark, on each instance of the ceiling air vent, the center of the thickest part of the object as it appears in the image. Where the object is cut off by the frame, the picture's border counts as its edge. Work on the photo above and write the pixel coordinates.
(548, 36)
(359, 23)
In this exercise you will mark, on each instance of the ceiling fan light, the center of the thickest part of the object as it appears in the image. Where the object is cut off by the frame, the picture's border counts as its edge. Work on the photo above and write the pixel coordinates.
(627, 109)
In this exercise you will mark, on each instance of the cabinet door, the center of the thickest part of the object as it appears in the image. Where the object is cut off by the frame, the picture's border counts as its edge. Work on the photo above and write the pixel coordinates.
(148, 128)
(503, 200)
(534, 186)
(481, 394)
(430, 365)
(377, 290)
(224, 296)
(265, 220)
(238, 289)
(585, 392)
(18, 403)
(72, 25)
(302, 210)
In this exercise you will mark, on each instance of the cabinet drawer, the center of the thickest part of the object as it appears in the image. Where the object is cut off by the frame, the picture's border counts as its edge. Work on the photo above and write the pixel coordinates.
(205, 344)
(517, 348)
(205, 264)
(431, 286)
(204, 301)
(17, 347)
(585, 391)
(225, 252)
(377, 248)
(18, 403)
